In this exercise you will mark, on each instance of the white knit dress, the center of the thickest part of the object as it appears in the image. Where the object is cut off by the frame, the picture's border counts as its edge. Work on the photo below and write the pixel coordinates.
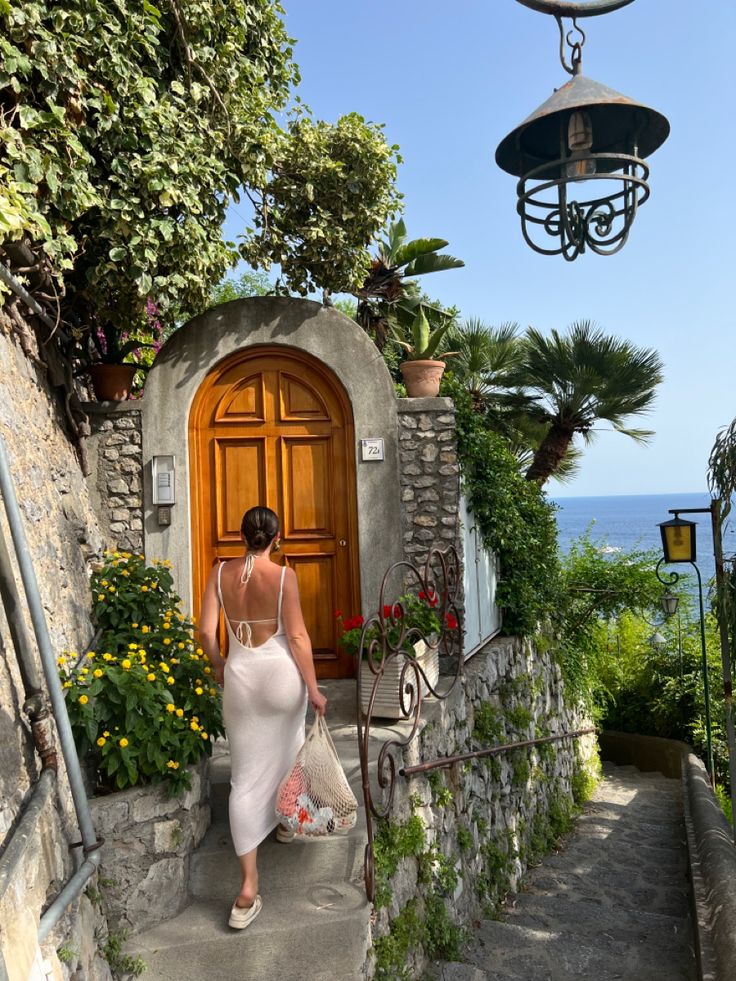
(264, 704)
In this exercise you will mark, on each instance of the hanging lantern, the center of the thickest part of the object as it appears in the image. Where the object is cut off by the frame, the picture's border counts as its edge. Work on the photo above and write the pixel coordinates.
(580, 156)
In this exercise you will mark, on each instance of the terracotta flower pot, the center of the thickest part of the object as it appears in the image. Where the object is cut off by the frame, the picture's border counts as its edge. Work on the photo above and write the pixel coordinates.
(422, 378)
(112, 382)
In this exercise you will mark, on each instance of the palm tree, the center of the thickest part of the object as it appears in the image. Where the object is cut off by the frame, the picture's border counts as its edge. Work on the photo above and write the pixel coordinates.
(570, 383)
(389, 288)
(486, 361)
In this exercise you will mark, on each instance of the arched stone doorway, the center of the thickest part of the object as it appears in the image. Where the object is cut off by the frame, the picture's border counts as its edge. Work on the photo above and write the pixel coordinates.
(331, 344)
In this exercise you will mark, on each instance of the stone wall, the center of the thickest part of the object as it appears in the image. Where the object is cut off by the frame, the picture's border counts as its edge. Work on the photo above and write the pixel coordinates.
(116, 481)
(460, 838)
(429, 475)
(149, 838)
(63, 538)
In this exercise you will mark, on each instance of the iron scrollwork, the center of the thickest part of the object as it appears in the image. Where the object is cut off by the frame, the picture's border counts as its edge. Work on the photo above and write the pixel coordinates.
(387, 639)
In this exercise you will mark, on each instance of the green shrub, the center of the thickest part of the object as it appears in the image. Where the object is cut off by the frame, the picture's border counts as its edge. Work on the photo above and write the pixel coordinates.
(145, 706)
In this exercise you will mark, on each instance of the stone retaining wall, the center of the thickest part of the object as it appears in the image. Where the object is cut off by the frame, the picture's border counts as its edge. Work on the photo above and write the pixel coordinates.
(460, 838)
(149, 838)
(63, 539)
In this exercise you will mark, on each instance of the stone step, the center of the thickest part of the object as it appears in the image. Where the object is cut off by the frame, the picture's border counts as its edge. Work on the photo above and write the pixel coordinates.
(321, 939)
(521, 953)
(559, 914)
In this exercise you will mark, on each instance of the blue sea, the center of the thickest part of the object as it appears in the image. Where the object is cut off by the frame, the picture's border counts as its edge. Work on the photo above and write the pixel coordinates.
(630, 522)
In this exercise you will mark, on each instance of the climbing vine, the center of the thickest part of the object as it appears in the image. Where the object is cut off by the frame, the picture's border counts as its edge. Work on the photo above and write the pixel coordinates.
(514, 517)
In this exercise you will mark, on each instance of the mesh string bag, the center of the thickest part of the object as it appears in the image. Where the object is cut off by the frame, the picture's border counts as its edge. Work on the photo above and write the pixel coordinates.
(315, 798)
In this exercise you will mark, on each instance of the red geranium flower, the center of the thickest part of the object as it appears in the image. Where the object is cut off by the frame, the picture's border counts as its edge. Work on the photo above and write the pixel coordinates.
(337, 614)
(450, 621)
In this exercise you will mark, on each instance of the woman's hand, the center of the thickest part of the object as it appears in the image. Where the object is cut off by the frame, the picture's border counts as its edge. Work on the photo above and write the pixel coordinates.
(318, 701)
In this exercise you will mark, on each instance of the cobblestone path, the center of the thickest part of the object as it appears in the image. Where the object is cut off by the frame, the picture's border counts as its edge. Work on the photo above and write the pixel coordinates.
(612, 903)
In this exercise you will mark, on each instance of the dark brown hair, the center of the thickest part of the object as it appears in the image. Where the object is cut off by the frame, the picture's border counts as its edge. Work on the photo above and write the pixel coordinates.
(259, 527)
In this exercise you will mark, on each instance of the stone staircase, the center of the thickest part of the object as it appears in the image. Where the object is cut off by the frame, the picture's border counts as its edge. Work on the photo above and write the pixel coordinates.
(612, 904)
(315, 922)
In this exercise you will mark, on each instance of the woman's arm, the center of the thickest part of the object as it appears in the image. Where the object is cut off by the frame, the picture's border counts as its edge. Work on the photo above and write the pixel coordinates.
(299, 642)
(209, 618)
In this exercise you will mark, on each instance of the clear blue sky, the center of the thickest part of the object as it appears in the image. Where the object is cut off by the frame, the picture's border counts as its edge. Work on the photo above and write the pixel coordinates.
(450, 80)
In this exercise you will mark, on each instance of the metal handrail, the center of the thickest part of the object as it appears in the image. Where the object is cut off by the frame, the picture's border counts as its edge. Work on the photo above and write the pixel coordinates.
(445, 761)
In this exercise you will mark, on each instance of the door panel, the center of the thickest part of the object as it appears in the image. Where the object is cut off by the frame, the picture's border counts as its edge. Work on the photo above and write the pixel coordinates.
(273, 426)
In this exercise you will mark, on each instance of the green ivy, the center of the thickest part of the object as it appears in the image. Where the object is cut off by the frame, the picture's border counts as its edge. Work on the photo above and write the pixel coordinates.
(513, 515)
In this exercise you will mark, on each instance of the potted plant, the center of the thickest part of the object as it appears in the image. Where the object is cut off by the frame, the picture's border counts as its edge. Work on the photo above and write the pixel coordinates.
(415, 617)
(108, 351)
(423, 368)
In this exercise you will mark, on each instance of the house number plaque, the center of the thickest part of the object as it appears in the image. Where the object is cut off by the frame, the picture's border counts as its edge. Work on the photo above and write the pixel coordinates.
(371, 450)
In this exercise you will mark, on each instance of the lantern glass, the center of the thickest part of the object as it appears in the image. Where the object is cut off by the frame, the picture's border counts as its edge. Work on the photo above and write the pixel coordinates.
(670, 603)
(678, 540)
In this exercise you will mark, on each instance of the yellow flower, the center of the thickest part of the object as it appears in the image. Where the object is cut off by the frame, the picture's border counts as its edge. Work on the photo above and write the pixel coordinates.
(107, 656)
(100, 596)
(198, 691)
(213, 691)
(67, 684)
(144, 629)
(193, 726)
(173, 765)
(141, 652)
(171, 707)
(180, 646)
(208, 670)
(164, 667)
(167, 626)
(111, 589)
(144, 589)
(134, 626)
(91, 655)
(104, 582)
(174, 660)
(150, 676)
(84, 671)
(83, 699)
(153, 585)
(61, 660)
(180, 712)
(98, 673)
(200, 651)
(101, 741)
(195, 718)
(204, 735)
(132, 647)
(123, 742)
(124, 572)
(106, 733)
(167, 641)
(125, 664)
(169, 680)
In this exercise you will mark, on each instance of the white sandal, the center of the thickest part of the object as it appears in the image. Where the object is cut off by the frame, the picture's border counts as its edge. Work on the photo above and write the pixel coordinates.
(284, 835)
(241, 917)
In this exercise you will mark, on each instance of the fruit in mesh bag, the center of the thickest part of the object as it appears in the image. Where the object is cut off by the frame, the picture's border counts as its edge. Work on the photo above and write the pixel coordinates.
(289, 792)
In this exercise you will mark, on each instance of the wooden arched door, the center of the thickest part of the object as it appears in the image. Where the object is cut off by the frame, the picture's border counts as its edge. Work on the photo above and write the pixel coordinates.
(272, 426)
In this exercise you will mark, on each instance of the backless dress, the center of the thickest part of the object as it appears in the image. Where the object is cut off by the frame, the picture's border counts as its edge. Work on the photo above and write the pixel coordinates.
(264, 704)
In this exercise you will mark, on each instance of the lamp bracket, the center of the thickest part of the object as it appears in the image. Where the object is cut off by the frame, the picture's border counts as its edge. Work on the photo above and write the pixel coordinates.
(576, 46)
(672, 577)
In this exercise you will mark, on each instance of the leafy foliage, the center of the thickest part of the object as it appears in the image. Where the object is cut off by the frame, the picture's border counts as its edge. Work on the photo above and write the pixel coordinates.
(127, 129)
(146, 707)
(329, 191)
(514, 518)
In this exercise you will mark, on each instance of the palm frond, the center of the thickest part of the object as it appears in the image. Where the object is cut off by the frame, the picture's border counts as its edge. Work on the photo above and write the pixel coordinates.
(418, 247)
(431, 262)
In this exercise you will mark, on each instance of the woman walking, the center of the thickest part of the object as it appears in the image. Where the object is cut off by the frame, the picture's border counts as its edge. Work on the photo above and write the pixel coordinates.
(267, 678)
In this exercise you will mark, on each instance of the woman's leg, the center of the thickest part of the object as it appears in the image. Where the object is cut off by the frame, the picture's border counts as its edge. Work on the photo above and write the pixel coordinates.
(249, 870)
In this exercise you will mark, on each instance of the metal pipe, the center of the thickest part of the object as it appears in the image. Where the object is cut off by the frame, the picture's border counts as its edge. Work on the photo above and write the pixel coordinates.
(68, 894)
(48, 663)
(443, 761)
(23, 831)
(706, 683)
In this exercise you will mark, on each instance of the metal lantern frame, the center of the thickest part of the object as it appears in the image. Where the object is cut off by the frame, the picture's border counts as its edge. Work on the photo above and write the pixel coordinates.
(689, 527)
(585, 136)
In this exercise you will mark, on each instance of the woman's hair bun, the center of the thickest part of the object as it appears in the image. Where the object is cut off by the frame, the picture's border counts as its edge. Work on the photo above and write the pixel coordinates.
(259, 527)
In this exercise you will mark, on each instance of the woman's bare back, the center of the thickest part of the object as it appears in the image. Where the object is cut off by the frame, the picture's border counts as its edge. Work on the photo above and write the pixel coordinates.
(255, 603)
